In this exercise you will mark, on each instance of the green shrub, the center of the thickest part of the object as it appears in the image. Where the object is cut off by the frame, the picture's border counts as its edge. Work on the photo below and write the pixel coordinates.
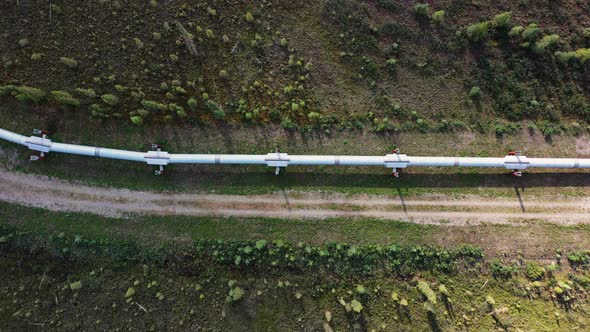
(422, 9)
(287, 123)
(502, 21)
(583, 54)
(438, 17)
(249, 17)
(152, 106)
(110, 100)
(478, 31)
(63, 98)
(391, 62)
(137, 120)
(216, 109)
(501, 271)
(143, 113)
(314, 117)
(579, 258)
(531, 32)
(534, 271)
(5, 90)
(89, 93)
(28, 94)
(516, 31)
(545, 43)
(69, 62)
(565, 56)
(138, 43)
(475, 92)
(235, 294)
(37, 56)
(23, 42)
(427, 291)
(192, 104)
(179, 110)
(97, 111)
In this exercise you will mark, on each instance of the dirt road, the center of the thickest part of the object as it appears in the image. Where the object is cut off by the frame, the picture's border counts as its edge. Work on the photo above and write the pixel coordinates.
(59, 195)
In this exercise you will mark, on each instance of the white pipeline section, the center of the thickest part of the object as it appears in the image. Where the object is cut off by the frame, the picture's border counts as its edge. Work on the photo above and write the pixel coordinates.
(514, 161)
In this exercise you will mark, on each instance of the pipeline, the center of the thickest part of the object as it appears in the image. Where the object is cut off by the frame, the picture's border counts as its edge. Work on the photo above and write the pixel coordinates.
(515, 162)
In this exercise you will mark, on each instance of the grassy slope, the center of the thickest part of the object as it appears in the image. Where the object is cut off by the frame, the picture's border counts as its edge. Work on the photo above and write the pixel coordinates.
(340, 39)
(432, 78)
(497, 240)
(36, 289)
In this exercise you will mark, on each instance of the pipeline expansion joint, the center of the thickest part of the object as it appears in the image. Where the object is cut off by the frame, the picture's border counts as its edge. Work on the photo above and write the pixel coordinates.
(40, 143)
(395, 161)
(158, 158)
(277, 160)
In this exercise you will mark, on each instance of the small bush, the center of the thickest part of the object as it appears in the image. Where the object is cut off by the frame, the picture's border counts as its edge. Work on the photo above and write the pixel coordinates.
(501, 271)
(37, 56)
(422, 9)
(534, 271)
(28, 94)
(565, 57)
(110, 100)
(579, 258)
(502, 21)
(5, 90)
(546, 42)
(192, 104)
(391, 62)
(531, 32)
(179, 110)
(475, 92)
(427, 291)
(138, 43)
(438, 17)
(69, 62)
(137, 120)
(249, 17)
(216, 109)
(153, 106)
(516, 31)
(143, 113)
(89, 93)
(287, 123)
(583, 54)
(478, 31)
(63, 98)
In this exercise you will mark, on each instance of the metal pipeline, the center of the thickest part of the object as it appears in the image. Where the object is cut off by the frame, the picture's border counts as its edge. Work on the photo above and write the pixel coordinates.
(514, 162)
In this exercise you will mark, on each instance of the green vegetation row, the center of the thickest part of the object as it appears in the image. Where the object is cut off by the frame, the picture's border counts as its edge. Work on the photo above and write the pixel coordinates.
(65, 101)
(339, 258)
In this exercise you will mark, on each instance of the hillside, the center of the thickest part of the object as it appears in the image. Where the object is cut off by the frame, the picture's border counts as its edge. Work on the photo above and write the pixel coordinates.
(387, 66)
(102, 244)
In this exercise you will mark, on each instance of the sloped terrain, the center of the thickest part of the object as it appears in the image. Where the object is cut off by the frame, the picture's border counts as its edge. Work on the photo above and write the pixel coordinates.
(335, 64)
